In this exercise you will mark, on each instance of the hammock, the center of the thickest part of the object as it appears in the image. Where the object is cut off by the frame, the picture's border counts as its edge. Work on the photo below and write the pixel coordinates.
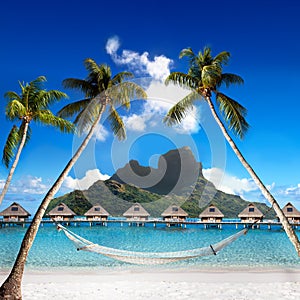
(148, 258)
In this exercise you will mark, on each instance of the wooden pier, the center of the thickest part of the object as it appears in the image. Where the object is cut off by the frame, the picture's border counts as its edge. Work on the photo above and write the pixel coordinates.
(154, 223)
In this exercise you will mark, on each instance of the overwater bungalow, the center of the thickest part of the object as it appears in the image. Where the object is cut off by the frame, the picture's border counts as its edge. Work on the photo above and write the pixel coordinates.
(174, 213)
(136, 213)
(96, 213)
(291, 212)
(250, 214)
(211, 214)
(61, 213)
(15, 213)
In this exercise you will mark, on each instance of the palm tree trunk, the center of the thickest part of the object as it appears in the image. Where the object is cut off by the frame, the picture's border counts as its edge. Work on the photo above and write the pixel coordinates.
(11, 288)
(14, 165)
(284, 221)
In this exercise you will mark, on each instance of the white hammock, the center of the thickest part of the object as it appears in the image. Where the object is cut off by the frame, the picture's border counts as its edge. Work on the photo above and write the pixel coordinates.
(148, 258)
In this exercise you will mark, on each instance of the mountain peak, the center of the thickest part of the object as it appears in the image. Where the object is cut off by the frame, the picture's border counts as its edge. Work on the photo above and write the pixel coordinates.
(177, 170)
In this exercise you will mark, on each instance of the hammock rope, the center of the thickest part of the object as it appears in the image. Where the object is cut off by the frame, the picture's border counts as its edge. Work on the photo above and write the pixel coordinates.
(148, 258)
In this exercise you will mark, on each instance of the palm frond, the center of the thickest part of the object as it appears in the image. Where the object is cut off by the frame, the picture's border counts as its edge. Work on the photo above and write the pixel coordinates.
(116, 124)
(71, 109)
(91, 66)
(37, 84)
(179, 111)
(11, 144)
(230, 79)
(221, 58)
(182, 79)
(187, 52)
(87, 116)
(78, 84)
(211, 76)
(120, 77)
(10, 95)
(15, 109)
(124, 92)
(47, 118)
(234, 114)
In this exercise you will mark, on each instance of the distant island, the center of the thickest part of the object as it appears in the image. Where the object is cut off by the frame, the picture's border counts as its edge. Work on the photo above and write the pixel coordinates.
(178, 179)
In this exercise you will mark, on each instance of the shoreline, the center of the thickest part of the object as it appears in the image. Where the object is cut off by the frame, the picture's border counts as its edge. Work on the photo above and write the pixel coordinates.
(153, 284)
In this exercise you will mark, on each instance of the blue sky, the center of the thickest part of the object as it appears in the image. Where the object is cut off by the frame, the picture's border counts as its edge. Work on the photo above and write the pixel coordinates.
(53, 38)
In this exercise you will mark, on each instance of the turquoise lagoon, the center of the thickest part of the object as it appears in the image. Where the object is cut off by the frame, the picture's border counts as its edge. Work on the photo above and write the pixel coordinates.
(259, 248)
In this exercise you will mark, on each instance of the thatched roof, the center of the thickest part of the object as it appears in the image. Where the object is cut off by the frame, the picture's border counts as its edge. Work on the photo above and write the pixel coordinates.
(97, 210)
(15, 209)
(290, 211)
(174, 210)
(251, 211)
(136, 210)
(61, 210)
(211, 212)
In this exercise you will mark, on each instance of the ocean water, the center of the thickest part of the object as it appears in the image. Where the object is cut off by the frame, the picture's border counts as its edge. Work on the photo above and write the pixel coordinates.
(259, 248)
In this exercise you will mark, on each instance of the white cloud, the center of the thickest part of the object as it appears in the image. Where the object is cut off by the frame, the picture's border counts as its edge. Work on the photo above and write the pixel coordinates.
(293, 191)
(112, 45)
(228, 183)
(28, 185)
(135, 122)
(101, 133)
(160, 99)
(91, 176)
(158, 68)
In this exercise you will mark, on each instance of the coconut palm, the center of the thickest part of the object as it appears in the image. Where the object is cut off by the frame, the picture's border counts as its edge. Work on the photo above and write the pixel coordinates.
(31, 105)
(204, 79)
(101, 91)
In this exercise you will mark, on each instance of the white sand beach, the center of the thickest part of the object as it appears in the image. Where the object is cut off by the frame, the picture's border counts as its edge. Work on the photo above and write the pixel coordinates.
(166, 284)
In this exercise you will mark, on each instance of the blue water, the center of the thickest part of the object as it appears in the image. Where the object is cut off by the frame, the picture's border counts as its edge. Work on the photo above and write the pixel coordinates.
(260, 248)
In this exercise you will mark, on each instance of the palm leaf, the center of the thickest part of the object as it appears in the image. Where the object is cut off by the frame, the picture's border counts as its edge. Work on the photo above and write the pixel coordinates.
(230, 79)
(124, 92)
(73, 108)
(89, 114)
(15, 109)
(47, 118)
(179, 111)
(10, 95)
(234, 114)
(116, 124)
(78, 84)
(182, 79)
(221, 58)
(211, 76)
(120, 77)
(11, 144)
(91, 66)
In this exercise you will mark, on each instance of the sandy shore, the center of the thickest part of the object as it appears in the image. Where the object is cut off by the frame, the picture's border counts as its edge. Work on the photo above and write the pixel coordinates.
(167, 284)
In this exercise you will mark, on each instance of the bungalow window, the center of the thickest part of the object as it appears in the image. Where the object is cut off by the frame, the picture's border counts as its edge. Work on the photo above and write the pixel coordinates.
(14, 208)
(136, 208)
(97, 208)
(212, 209)
(175, 209)
(251, 209)
(289, 209)
(60, 208)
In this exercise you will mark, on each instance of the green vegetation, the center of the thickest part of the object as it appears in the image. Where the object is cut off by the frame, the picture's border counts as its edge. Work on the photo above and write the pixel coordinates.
(116, 198)
(74, 200)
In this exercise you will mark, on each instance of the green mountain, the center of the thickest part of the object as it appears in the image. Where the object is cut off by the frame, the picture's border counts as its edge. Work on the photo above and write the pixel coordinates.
(116, 196)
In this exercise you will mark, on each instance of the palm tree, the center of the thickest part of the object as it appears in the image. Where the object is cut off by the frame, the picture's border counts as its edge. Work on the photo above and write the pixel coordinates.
(101, 91)
(31, 105)
(204, 78)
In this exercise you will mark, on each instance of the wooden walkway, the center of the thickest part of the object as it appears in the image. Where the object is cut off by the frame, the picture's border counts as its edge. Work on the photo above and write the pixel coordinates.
(154, 223)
